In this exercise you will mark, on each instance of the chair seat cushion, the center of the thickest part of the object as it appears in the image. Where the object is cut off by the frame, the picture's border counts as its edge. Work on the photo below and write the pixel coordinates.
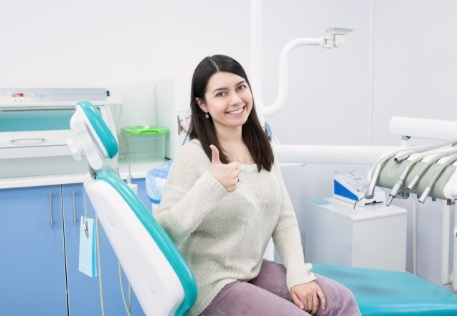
(382, 292)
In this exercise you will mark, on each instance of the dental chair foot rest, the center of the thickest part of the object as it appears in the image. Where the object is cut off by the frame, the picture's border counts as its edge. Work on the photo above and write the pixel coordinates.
(382, 292)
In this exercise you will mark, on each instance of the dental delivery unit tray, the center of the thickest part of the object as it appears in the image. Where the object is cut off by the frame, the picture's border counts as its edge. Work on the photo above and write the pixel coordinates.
(35, 127)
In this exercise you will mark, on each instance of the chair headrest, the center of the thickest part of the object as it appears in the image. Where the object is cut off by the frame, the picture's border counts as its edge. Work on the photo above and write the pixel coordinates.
(92, 135)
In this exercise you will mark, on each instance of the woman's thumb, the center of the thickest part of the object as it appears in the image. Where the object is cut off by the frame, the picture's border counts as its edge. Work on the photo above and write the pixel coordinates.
(215, 155)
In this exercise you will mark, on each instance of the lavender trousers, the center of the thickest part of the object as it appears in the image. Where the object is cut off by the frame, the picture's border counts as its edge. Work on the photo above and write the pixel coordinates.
(267, 294)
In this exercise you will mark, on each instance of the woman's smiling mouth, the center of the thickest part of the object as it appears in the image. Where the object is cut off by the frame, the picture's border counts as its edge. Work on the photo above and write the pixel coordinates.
(236, 111)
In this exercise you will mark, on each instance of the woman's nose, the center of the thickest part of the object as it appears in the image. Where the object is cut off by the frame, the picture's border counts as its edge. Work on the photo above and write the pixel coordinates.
(234, 98)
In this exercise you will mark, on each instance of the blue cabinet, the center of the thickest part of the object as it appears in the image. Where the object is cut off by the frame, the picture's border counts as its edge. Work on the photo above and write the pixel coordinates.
(39, 248)
(32, 264)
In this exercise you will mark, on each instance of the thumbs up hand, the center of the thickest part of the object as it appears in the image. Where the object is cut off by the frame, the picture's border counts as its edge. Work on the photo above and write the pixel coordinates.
(226, 174)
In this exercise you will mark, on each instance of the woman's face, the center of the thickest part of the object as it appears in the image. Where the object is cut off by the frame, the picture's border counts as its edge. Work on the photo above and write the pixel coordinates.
(228, 100)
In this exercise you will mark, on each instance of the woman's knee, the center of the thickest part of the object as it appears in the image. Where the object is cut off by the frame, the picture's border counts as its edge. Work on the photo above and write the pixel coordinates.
(340, 299)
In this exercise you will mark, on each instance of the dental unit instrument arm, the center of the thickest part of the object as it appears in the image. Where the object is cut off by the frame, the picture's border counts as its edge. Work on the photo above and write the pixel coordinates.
(380, 163)
(423, 128)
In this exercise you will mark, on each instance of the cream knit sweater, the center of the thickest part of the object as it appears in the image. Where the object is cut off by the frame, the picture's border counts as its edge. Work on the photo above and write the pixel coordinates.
(223, 235)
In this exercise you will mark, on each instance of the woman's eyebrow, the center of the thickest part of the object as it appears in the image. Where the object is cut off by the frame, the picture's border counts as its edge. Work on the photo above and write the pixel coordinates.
(219, 89)
(224, 89)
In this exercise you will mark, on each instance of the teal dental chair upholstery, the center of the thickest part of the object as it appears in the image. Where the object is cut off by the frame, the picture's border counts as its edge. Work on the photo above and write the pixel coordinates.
(393, 293)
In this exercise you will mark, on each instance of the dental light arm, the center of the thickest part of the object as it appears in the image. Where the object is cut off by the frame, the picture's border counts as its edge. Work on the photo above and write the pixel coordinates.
(334, 39)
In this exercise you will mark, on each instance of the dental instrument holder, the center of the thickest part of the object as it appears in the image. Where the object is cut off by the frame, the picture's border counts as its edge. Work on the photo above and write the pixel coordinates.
(392, 170)
(157, 272)
(403, 168)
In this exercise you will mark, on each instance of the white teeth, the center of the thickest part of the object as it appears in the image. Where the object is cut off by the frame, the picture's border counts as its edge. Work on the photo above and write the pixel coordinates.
(236, 112)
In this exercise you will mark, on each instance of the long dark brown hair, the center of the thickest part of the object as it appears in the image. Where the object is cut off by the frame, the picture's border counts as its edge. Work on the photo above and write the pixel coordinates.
(202, 128)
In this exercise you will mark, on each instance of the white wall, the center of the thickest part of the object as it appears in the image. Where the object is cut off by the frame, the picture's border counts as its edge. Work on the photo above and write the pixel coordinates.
(124, 46)
(399, 60)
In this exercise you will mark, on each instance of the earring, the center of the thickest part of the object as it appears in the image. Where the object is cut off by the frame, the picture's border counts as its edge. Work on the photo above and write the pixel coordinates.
(207, 115)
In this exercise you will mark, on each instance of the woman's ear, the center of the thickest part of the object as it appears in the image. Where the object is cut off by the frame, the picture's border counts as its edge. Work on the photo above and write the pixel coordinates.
(201, 104)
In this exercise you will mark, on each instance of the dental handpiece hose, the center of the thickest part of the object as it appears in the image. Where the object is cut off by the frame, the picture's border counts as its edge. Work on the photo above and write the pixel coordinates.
(402, 177)
(369, 194)
(435, 177)
(426, 166)
(402, 155)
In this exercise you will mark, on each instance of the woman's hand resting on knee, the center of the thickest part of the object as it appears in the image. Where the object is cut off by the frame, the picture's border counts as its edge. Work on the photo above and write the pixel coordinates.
(307, 297)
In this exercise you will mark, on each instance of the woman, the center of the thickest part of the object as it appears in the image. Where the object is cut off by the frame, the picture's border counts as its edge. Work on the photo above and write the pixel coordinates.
(223, 200)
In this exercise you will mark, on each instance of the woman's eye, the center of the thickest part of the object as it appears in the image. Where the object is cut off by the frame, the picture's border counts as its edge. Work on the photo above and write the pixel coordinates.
(241, 87)
(220, 94)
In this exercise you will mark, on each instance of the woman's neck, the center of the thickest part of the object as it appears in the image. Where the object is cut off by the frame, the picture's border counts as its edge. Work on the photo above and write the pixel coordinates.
(230, 135)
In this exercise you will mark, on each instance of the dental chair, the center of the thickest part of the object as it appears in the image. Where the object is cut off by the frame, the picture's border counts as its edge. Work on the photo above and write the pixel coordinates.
(158, 274)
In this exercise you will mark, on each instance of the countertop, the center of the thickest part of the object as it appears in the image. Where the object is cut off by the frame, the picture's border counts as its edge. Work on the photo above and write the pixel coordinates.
(138, 171)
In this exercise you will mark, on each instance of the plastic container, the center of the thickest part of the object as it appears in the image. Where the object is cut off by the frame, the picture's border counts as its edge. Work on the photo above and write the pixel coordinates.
(144, 143)
(155, 183)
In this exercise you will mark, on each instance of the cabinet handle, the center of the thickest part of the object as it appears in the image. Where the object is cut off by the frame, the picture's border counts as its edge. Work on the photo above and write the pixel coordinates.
(73, 193)
(50, 210)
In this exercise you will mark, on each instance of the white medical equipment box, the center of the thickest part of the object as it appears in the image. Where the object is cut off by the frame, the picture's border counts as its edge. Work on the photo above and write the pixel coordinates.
(372, 236)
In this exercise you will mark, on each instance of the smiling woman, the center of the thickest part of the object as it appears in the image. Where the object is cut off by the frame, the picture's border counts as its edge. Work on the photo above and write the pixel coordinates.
(225, 198)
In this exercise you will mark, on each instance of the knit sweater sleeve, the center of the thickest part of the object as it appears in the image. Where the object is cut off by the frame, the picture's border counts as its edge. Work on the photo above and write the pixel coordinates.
(287, 240)
(190, 193)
